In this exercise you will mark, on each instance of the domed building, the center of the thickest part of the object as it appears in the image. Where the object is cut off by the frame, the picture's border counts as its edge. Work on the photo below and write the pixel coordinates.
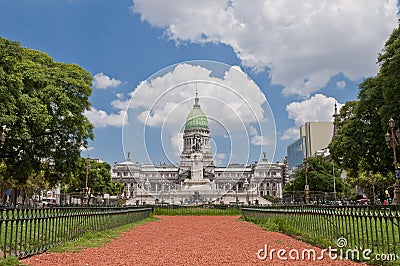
(196, 179)
(196, 138)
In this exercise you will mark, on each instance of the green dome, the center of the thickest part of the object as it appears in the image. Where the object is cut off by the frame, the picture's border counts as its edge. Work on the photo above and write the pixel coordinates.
(196, 118)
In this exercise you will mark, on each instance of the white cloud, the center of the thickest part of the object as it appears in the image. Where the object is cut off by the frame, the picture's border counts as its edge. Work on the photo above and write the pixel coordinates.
(291, 133)
(102, 81)
(233, 100)
(303, 43)
(341, 84)
(177, 143)
(317, 108)
(257, 139)
(120, 104)
(100, 118)
(228, 97)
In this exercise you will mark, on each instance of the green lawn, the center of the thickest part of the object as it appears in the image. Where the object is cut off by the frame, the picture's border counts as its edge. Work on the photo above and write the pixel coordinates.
(25, 232)
(229, 211)
(377, 230)
(98, 239)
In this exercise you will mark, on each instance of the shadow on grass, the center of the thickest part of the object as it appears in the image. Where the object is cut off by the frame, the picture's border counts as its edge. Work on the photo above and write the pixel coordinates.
(98, 239)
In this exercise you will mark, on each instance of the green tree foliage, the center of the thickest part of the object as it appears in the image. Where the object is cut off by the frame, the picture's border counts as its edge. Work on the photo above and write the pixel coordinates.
(372, 184)
(98, 175)
(42, 103)
(359, 147)
(389, 76)
(320, 177)
(344, 146)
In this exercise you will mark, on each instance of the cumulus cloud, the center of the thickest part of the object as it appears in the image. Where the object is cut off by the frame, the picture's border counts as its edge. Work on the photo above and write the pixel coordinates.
(318, 108)
(291, 133)
(100, 118)
(177, 143)
(102, 81)
(120, 104)
(302, 43)
(165, 101)
(257, 139)
(228, 97)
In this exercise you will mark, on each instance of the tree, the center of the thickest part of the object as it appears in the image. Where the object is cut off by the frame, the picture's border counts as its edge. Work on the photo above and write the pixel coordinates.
(99, 178)
(42, 104)
(345, 146)
(359, 147)
(320, 177)
(372, 184)
(389, 74)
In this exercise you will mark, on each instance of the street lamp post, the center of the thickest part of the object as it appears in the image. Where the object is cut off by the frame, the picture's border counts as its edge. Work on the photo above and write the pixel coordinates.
(88, 168)
(147, 187)
(334, 181)
(141, 192)
(237, 190)
(373, 188)
(392, 140)
(246, 187)
(306, 187)
(252, 195)
(120, 181)
(335, 122)
(252, 188)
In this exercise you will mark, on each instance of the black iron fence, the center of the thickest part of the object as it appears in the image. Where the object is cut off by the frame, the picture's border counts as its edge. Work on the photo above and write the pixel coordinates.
(373, 228)
(25, 232)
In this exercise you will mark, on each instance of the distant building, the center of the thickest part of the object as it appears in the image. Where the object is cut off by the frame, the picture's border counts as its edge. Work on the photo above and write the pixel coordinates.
(296, 152)
(317, 136)
(314, 140)
(166, 182)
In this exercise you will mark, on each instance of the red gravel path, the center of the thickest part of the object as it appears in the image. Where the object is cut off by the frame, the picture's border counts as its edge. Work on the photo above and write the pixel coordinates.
(188, 240)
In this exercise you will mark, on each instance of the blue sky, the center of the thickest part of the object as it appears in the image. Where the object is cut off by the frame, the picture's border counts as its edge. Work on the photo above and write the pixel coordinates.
(302, 56)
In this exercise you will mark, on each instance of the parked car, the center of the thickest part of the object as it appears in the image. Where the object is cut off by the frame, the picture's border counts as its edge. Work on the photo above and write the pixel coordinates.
(48, 201)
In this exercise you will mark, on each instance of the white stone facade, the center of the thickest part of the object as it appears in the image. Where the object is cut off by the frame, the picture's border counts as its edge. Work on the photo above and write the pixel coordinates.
(175, 183)
(146, 180)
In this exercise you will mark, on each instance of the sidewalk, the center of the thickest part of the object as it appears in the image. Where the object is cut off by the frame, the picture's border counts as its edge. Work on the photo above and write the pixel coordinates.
(190, 240)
